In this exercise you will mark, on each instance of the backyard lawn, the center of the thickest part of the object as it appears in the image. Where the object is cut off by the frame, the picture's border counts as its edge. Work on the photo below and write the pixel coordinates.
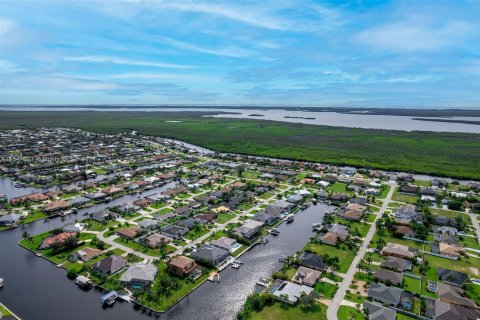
(279, 311)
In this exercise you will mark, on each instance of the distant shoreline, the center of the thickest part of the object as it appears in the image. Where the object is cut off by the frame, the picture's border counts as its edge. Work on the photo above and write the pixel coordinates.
(412, 112)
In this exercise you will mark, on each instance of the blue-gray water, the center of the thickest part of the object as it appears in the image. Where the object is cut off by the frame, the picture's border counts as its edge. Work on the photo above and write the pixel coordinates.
(405, 123)
(37, 289)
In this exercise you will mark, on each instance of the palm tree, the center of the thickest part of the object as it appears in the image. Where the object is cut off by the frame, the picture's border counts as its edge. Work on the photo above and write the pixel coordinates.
(162, 247)
(27, 236)
(240, 170)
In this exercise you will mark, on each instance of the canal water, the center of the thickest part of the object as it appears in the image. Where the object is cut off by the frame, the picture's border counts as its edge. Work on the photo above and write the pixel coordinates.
(37, 289)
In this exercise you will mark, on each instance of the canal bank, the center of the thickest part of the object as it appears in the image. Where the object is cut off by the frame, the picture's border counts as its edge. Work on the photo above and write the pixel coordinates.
(36, 289)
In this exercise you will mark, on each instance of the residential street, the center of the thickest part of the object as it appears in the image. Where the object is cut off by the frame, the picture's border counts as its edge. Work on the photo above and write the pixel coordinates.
(347, 280)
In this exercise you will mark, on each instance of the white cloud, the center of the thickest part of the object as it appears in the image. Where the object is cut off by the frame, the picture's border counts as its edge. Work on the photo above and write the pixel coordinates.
(248, 15)
(409, 36)
(9, 67)
(122, 61)
(232, 52)
(164, 76)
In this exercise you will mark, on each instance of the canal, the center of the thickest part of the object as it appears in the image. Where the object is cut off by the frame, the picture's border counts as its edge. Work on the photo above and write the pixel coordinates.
(37, 289)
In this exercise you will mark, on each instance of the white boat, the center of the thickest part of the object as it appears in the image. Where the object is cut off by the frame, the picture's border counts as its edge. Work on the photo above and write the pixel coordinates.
(110, 298)
(275, 232)
(1, 282)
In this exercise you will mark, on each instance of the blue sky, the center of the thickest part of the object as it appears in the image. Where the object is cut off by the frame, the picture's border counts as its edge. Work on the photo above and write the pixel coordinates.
(310, 53)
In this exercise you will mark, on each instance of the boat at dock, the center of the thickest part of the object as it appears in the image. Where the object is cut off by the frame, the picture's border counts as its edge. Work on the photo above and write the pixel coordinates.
(1, 282)
(263, 282)
(236, 264)
(274, 232)
(83, 282)
(290, 219)
(110, 298)
(263, 241)
(317, 226)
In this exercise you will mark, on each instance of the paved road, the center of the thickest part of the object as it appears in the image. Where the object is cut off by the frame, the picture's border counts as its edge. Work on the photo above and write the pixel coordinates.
(475, 224)
(347, 280)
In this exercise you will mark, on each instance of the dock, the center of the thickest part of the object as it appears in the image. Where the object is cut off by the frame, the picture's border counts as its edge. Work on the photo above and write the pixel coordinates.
(214, 275)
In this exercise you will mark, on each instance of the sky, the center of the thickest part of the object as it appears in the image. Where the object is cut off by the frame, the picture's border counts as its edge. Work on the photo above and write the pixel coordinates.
(300, 53)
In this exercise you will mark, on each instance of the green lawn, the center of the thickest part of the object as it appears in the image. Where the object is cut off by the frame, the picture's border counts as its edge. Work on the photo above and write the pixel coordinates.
(327, 290)
(408, 198)
(389, 238)
(437, 153)
(384, 192)
(338, 187)
(422, 183)
(224, 217)
(161, 302)
(140, 248)
(266, 195)
(195, 233)
(280, 311)
(412, 285)
(345, 255)
(347, 313)
(56, 258)
(471, 266)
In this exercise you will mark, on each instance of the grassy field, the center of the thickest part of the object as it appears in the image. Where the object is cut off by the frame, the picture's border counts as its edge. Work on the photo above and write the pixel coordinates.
(279, 311)
(447, 154)
(408, 198)
(345, 255)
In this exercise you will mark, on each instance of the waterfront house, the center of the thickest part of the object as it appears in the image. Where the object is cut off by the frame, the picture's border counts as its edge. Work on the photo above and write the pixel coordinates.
(313, 261)
(296, 198)
(96, 196)
(110, 264)
(306, 276)
(335, 233)
(58, 238)
(210, 254)
(378, 312)
(143, 203)
(139, 275)
(249, 230)
(79, 201)
(452, 277)
(182, 266)
(399, 251)
(9, 219)
(289, 292)
(34, 197)
(127, 208)
(85, 254)
(56, 206)
(74, 227)
(225, 243)
(104, 215)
